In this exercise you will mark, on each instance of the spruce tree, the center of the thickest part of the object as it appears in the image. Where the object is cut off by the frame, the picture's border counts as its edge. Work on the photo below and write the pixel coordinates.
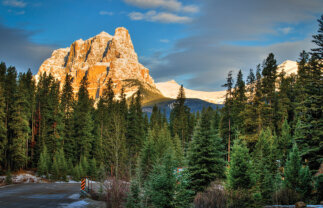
(134, 198)
(82, 120)
(3, 129)
(160, 186)
(206, 158)
(19, 126)
(269, 74)
(180, 118)
(66, 107)
(292, 169)
(239, 173)
(226, 114)
(44, 163)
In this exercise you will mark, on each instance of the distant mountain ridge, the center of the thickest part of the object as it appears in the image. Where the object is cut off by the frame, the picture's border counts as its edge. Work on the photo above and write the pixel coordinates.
(170, 88)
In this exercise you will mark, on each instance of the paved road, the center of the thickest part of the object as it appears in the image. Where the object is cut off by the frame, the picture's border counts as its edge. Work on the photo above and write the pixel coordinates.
(44, 195)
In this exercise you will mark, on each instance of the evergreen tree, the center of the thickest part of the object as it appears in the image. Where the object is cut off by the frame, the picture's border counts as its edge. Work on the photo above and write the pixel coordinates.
(147, 157)
(183, 195)
(134, 198)
(284, 142)
(19, 126)
(66, 107)
(318, 40)
(83, 127)
(269, 74)
(180, 118)
(3, 129)
(239, 175)
(239, 102)
(205, 155)
(310, 109)
(292, 169)
(160, 186)
(43, 163)
(265, 161)
(226, 120)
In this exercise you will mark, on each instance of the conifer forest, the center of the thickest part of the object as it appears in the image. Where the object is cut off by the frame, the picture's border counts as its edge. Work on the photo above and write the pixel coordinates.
(264, 146)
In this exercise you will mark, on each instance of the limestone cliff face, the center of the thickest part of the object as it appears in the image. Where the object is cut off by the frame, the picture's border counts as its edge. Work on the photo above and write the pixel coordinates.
(100, 58)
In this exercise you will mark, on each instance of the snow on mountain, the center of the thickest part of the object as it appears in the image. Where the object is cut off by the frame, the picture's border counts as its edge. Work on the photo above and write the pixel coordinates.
(170, 88)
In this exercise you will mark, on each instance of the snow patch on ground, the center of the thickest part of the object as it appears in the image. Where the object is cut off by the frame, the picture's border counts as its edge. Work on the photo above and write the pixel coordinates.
(81, 203)
(24, 178)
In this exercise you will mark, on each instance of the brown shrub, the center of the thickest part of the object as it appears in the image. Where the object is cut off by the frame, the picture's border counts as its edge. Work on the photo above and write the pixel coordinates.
(286, 196)
(117, 192)
(213, 197)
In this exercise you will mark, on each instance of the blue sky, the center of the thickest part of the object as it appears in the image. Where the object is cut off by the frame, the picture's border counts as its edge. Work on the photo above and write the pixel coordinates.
(194, 42)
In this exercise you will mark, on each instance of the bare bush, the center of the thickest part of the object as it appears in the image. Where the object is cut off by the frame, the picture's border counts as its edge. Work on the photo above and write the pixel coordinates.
(285, 196)
(214, 197)
(117, 192)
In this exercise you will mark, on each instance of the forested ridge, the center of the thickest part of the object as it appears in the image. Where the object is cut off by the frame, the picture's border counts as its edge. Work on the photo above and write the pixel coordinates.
(263, 147)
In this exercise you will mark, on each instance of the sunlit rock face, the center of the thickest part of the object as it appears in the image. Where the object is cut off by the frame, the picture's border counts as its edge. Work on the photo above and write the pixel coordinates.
(99, 58)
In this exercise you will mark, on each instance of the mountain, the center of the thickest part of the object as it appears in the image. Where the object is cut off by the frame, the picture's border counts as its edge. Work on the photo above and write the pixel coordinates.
(105, 56)
(170, 88)
(99, 58)
(167, 105)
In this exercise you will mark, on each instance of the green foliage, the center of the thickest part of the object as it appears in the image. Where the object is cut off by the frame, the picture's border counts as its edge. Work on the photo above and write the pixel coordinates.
(134, 198)
(43, 163)
(239, 173)
(183, 196)
(180, 119)
(160, 187)
(205, 158)
(297, 178)
(3, 128)
(8, 180)
(82, 120)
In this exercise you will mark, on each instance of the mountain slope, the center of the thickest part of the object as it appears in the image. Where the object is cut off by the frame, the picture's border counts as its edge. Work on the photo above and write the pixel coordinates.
(170, 88)
(99, 58)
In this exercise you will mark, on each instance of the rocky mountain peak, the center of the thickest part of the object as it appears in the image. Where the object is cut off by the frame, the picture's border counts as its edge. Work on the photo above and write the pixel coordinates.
(99, 58)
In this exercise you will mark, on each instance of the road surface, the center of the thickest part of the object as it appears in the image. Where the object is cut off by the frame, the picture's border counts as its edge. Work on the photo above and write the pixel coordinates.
(45, 195)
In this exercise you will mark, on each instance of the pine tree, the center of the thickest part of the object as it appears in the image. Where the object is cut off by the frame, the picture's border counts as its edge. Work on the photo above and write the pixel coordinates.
(134, 198)
(284, 142)
(226, 120)
(19, 126)
(239, 104)
(3, 129)
(205, 155)
(160, 186)
(83, 127)
(265, 162)
(147, 157)
(66, 107)
(178, 151)
(318, 40)
(311, 111)
(292, 169)
(269, 74)
(183, 195)
(43, 163)
(180, 118)
(239, 175)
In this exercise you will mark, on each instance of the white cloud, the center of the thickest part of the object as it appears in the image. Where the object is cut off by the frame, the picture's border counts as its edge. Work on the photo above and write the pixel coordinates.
(163, 17)
(106, 13)
(285, 30)
(164, 40)
(172, 5)
(14, 3)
